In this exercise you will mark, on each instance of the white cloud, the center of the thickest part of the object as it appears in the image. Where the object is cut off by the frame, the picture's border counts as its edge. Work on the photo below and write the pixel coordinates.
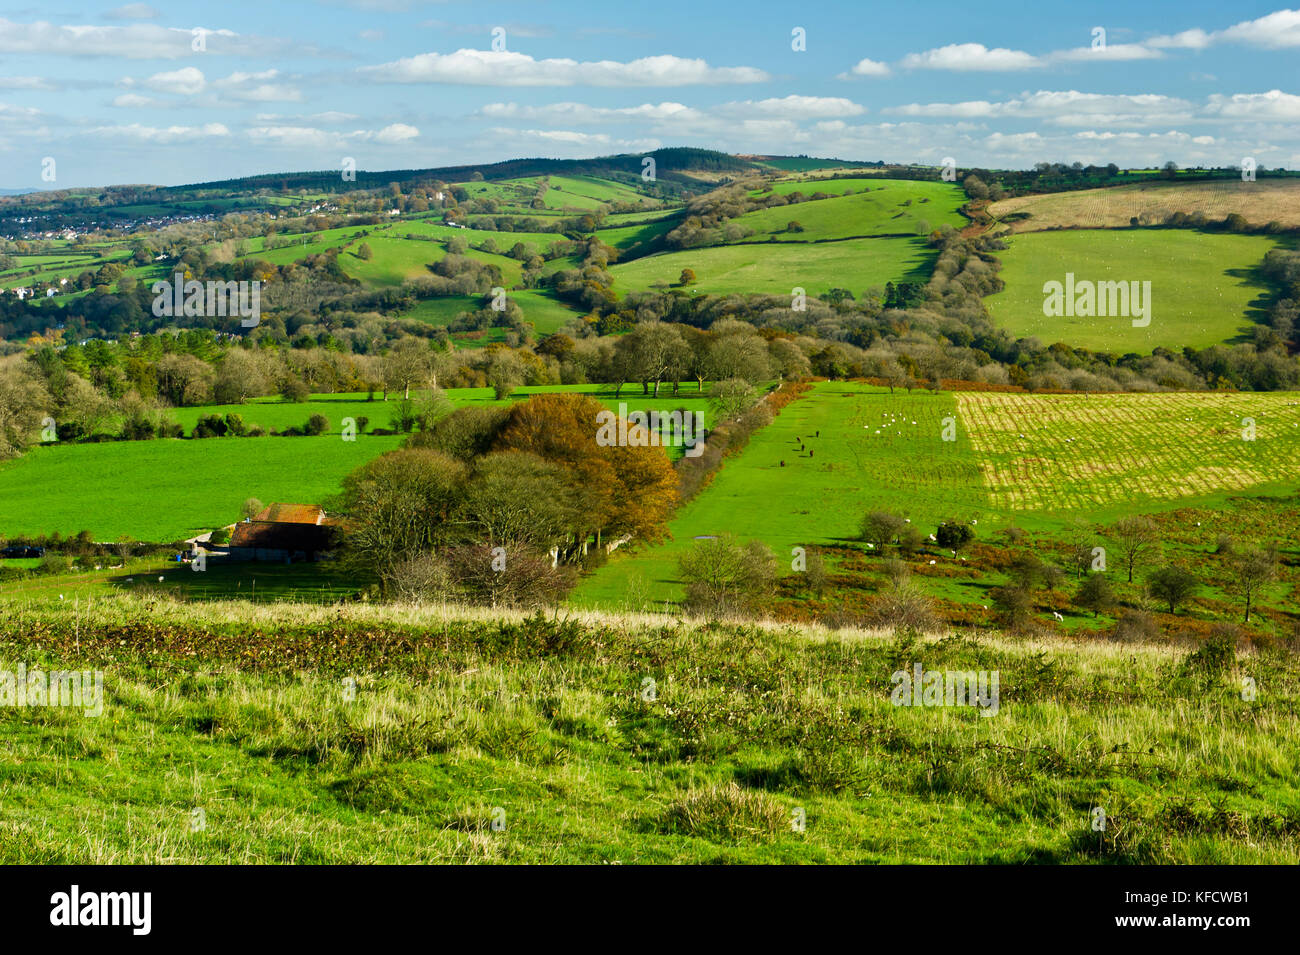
(1278, 30)
(581, 114)
(865, 67)
(328, 116)
(27, 83)
(1265, 107)
(258, 88)
(491, 68)
(155, 134)
(310, 137)
(794, 107)
(567, 142)
(970, 57)
(1063, 108)
(187, 81)
(1195, 39)
(138, 41)
(299, 137)
(396, 133)
(1111, 52)
(136, 101)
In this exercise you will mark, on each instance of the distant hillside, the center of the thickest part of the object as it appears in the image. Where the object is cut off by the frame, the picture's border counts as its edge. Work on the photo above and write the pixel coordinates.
(688, 167)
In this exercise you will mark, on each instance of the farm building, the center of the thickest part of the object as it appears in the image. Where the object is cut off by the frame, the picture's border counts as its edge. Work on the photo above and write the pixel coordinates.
(282, 532)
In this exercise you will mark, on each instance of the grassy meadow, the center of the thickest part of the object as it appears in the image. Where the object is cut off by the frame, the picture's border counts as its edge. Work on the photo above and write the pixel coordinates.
(172, 489)
(774, 268)
(1040, 463)
(237, 732)
(1205, 287)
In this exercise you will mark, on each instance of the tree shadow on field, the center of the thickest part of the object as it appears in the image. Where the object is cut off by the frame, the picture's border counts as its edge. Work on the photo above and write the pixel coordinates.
(1257, 308)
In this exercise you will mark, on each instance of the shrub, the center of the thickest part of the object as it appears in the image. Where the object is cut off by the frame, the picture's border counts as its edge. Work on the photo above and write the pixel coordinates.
(316, 424)
(1135, 626)
(54, 564)
(953, 535)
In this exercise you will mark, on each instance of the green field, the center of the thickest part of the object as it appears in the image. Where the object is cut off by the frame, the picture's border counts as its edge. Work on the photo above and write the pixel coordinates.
(776, 268)
(1037, 461)
(1204, 286)
(172, 489)
(870, 456)
(169, 489)
(355, 734)
(877, 208)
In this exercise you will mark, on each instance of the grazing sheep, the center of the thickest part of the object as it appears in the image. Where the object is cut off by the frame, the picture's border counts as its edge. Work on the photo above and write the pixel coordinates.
(1058, 616)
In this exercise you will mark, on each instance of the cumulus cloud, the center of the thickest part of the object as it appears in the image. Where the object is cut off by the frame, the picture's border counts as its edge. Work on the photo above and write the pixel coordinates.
(971, 57)
(505, 68)
(1276, 31)
(582, 114)
(794, 107)
(27, 83)
(1063, 108)
(310, 137)
(262, 87)
(162, 135)
(138, 41)
(1111, 52)
(187, 81)
(1267, 107)
(865, 67)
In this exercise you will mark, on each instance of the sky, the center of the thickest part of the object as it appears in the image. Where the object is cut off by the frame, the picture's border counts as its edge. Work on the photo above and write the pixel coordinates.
(181, 92)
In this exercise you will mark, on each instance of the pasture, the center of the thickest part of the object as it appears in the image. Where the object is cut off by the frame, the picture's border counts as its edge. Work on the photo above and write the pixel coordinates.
(880, 207)
(169, 489)
(166, 490)
(1205, 287)
(1039, 462)
(775, 268)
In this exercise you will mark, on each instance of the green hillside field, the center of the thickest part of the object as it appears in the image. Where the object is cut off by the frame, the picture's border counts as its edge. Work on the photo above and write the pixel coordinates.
(1205, 287)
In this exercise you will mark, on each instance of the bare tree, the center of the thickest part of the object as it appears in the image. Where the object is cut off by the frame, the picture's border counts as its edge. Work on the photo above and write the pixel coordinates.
(1251, 570)
(1136, 536)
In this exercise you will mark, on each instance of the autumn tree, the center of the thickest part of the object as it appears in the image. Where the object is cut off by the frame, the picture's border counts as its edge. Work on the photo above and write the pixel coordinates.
(627, 491)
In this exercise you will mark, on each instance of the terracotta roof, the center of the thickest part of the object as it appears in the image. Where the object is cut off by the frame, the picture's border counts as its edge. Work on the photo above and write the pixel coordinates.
(280, 535)
(292, 514)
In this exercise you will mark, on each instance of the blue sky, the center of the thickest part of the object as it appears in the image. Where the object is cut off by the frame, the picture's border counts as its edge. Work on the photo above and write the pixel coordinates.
(119, 94)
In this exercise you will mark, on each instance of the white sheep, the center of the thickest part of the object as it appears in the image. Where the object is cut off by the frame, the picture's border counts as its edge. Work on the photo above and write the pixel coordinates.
(1058, 616)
